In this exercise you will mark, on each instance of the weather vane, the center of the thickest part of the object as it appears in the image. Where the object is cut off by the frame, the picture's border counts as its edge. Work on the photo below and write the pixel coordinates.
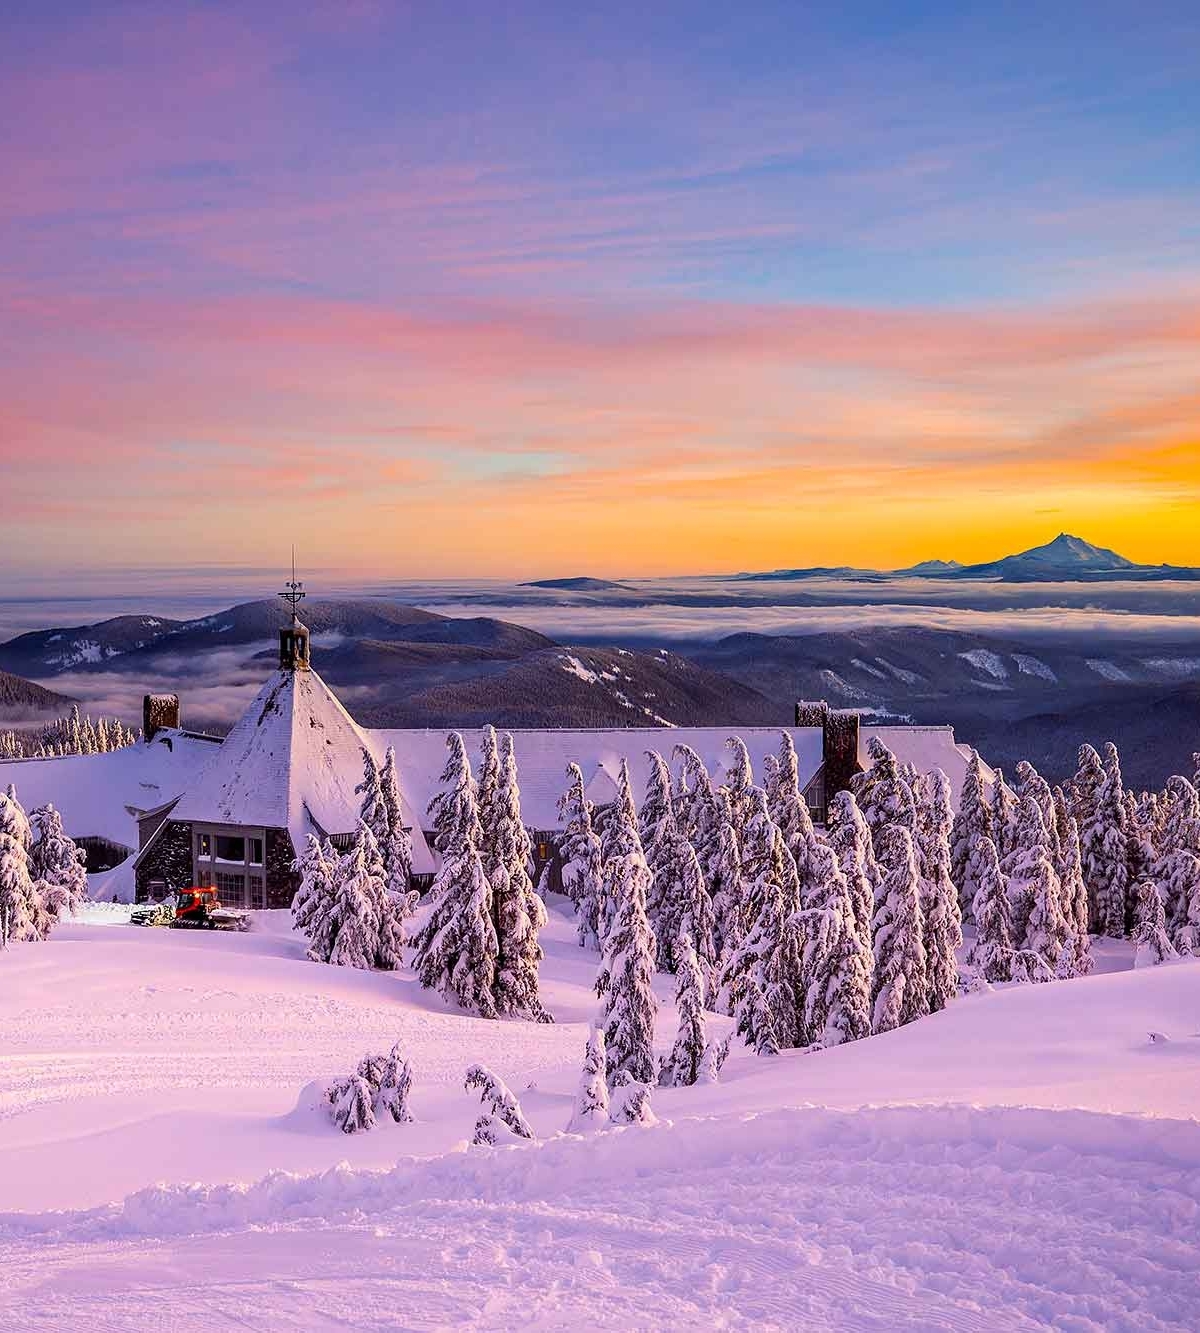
(295, 591)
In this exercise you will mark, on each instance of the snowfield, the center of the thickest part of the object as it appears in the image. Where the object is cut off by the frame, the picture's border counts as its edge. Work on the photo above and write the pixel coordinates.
(1027, 1159)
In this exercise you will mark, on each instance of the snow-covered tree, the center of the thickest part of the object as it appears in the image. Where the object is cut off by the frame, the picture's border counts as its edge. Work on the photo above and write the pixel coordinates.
(941, 918)
(56, 864)
(836, 959)
(991, 952)
(973, 820)
(591, 1101)
(762, 982)
(715, 1054)
(786, 803)
(664, 849)
(502, 1114)
(357, 888)
(695, 919)
(372, 811)
(22, 915)
(1031, 783)
(1179, 876)
(1029, 846)
(725, 881)
(625, 982)
(1103, 841)
(1002, 815)
(682, 1067)
(312, 906)
(350, 1105)
(1074, 891)
(517, 910)
(850, 839)
(456, 949)
(1048, 935)
(1179, 817)
(395, 1087)
(583, 859)
(899, 986)
(883, 794)
(1153, 944)
(395, 845)
(630, 1102)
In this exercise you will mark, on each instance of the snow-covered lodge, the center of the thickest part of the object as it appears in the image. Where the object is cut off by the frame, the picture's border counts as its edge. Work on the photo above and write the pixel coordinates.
(192, 809)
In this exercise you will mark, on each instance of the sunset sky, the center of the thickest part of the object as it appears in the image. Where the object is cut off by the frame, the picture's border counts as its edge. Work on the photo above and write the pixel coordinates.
(529, 289)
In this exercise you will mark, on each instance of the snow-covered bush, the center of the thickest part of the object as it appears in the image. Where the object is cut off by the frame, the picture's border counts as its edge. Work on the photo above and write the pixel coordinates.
(502, 1117)
(715, 1055)
(350, 1105)
(630, 1104)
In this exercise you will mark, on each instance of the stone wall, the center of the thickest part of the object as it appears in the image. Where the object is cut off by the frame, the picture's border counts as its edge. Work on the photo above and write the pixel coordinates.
(281, 880)
(169, 860)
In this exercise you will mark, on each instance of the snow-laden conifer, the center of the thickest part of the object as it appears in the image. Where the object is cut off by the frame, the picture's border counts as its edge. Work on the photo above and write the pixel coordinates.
(726, 882)
(1003, 815)
(836, 960)
(56, 865)
(899, 986)
(395, 1087)
(1179, 877)
(1029, 868)
(1047, 935)
(22, 916)
(517, 909)
(1180, 817)
(940, 915)
(583, 860)
(681, 1067)
(883, 794)
(663, 847)
(715, 1055)
(1031, 783)
(355, 907)
(502, 1115)
(312, 906)
(630, 1102)
(395, 845)
(591, 1101)
(1074, 892)
(372, 811)
(850, 839)
(625, 982)
(1103, 842)
(991, 952)
(739, 783)
(1152, 943)
(786, 803)
(973, 820)
(350, 1105)
(456, 948)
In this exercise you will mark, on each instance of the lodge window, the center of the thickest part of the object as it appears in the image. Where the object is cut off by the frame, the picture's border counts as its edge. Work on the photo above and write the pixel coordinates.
(204, 845)
(256, 851)
(231, 849)
(231, 889)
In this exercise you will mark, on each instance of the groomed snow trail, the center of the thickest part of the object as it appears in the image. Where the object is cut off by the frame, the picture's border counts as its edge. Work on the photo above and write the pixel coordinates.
(922, 1218)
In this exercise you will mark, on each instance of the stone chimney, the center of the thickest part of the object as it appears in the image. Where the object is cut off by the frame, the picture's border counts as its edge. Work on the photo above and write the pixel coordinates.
(160, 712)
(839, 742)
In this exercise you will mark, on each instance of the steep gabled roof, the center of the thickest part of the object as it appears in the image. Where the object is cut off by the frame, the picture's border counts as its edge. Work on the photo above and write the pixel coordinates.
(292, 761)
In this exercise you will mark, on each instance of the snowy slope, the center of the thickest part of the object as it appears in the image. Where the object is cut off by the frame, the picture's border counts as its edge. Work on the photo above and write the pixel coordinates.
(1032, 1159)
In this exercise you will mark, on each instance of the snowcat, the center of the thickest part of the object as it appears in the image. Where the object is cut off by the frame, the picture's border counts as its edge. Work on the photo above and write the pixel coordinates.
(200, 909)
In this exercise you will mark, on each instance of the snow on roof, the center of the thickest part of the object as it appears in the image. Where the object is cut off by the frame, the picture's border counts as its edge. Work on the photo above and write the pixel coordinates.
(926, 748)
(94, 792)
(543, 756)
(291, 761)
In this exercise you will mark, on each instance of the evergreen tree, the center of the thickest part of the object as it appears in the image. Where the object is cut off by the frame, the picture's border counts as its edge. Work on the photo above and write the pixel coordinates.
(682, 1067)
(1180, 817)
(456, 949)
(395, 1088)
(355, 906)
(1029, 848)
(787, 805)
(627, 970)
(663, 846)
(395, 846)
(56, 864)
(899, 986)
(1179, 875)
(726, 882)
(1047, 932)
(591, 1102)
(883, 794)
(991, 952)
(850, 839)
(518, 911)
(1103, 842)
(939, 898)
(1153, 945)
(739, 784)
(501, 1108)
(1003, 815)
(694, 918)
(715, 1054)
(631, 1102)
(350, 1105)
(836, 960)
(22, 916)
(312, 907)
(1074, 893)
(973, 820)
(583, 872)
